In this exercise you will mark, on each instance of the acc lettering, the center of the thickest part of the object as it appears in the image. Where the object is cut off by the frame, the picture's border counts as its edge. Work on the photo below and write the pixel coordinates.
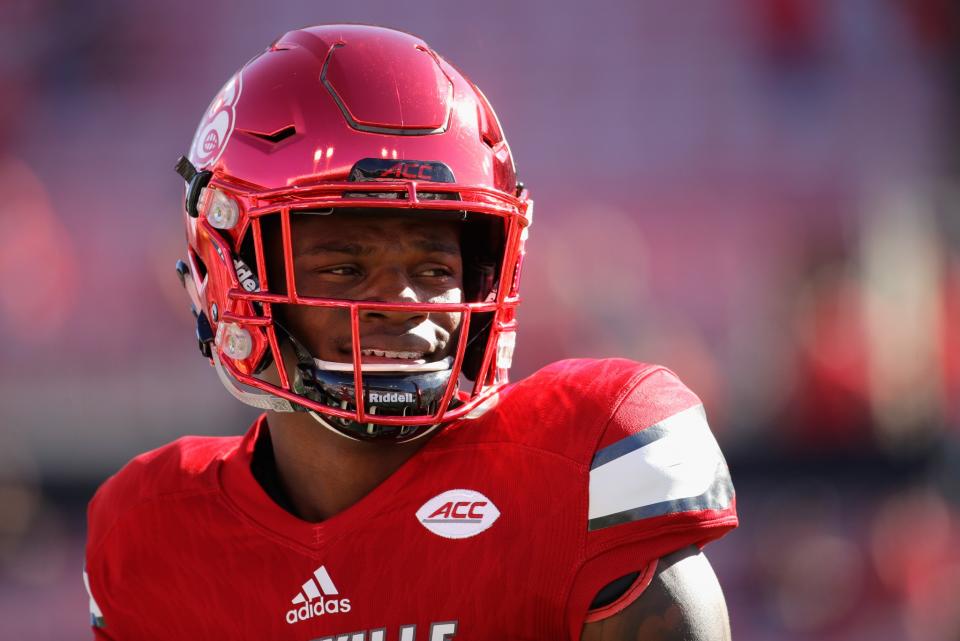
(410, 171)
(443, 510)
(459, 510)
(458, 514)
(475, 506)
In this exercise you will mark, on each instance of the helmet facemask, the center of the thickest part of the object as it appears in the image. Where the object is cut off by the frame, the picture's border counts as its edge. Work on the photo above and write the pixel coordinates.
(418, 393)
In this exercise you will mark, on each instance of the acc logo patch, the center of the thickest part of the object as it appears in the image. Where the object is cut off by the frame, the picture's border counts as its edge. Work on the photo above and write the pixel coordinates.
(367, 169)
(458, 514)
(217, 124)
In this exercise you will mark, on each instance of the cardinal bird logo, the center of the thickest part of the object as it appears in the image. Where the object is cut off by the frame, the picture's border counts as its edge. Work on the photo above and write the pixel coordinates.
(217, 124)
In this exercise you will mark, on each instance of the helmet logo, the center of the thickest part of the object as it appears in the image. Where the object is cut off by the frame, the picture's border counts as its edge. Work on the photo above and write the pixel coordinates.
(367, 169)
(217, 124)
(410, 171)
(211, 142)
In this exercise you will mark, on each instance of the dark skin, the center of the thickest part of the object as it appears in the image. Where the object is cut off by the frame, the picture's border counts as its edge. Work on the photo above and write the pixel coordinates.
(388, 258)
(684, 602)
(367, 258)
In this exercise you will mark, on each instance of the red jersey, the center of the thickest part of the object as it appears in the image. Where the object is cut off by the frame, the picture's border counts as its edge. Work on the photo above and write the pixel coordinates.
(504, 526)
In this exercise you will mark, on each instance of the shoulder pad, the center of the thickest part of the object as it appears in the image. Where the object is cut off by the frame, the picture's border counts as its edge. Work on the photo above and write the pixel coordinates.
(657, 456)
(184, 466)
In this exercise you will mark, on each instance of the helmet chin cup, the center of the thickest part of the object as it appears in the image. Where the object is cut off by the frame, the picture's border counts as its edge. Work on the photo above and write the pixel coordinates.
(385, 393)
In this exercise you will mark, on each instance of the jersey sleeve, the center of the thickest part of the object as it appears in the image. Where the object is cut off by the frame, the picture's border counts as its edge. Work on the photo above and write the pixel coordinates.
(658, 483)
(96, 614)
(116, 533)
(99, 573)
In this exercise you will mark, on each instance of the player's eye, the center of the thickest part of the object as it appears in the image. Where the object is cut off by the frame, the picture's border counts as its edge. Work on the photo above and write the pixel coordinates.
(338, 270)
(437, 272)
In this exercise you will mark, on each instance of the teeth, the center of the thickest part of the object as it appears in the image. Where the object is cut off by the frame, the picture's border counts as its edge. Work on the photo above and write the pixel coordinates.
(412, 356)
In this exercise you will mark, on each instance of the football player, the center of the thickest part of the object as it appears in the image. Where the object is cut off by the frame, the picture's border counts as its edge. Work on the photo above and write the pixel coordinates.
(355, 236)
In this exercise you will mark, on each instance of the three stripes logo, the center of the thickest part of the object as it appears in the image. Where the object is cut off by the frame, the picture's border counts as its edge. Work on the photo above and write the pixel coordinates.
(318, 596)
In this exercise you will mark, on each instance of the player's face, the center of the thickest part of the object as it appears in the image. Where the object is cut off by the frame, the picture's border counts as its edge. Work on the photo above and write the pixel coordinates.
(373, 257)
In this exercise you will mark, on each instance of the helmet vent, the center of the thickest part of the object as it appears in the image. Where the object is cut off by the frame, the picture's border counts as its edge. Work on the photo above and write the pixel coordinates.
(278, 136)
(387, 86)
(490, 132)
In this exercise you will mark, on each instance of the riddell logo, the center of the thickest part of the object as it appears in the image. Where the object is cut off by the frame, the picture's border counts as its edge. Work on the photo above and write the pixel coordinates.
(314, 599)
(391, 397)
(458, 514)
(245, 275)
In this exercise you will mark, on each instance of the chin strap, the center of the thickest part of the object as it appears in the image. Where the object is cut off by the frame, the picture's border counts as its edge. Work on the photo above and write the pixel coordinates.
(266, 401)
(315, 377)
(320, 418)
(328, 382)
(262, 400)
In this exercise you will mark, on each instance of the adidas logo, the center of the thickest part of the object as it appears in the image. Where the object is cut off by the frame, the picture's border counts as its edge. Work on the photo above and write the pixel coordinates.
(314, 598)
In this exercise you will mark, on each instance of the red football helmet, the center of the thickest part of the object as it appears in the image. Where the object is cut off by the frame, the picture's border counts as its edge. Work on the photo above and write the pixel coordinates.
(358, 119)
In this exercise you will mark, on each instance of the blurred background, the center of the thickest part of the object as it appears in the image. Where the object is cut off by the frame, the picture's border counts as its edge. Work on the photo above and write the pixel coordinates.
(761, 194)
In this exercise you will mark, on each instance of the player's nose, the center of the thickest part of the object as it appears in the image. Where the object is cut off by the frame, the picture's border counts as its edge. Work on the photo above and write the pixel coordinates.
(391, 286)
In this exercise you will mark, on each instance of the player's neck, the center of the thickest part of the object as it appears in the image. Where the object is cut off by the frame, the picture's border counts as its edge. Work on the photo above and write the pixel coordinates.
(322, 473)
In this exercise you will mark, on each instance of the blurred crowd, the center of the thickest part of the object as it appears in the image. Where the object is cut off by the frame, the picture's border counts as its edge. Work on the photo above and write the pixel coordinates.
(760, 194)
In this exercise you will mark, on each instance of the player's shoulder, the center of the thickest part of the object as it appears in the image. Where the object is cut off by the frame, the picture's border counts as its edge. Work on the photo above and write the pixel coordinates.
(656, 463)
(581, 405)
(603, 381)
(652, 477)
(186, 466)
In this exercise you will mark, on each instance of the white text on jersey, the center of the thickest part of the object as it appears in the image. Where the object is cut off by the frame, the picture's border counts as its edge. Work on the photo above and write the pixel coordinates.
(314, 599)
(443, 631)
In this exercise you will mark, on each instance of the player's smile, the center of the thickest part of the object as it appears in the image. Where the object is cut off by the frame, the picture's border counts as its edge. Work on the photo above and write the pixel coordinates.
(378, 258)
(401, 349)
